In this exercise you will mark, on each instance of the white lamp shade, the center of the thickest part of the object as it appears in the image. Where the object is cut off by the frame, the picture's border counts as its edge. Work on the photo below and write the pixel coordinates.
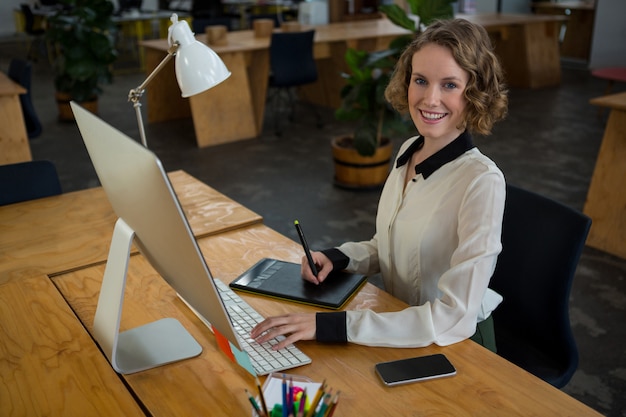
(198, 67)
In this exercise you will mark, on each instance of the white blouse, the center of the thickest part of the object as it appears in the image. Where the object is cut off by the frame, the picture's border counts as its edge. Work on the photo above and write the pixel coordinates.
(436, 246)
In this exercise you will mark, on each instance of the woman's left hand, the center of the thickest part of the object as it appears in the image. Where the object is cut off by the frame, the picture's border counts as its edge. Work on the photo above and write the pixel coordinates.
(293, 326)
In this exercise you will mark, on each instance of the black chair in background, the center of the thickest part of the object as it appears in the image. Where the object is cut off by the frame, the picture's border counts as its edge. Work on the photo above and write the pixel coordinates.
(198, 24)
(291, 65)
(37, 43)
(20, 71)
(30, 180)
(210, 12)
(207, 8)
(542, 241)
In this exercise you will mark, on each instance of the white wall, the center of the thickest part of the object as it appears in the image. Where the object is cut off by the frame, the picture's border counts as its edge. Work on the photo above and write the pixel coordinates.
(608, 48)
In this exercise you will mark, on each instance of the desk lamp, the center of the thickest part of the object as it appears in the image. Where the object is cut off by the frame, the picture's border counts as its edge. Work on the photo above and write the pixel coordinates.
(198, 67)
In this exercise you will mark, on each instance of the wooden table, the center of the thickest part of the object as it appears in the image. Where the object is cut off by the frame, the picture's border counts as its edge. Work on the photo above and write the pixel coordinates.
(234, 109)
(74, 230)
(51, 365)
(576, 42)
(606, 202)
(527, 44)
(14, 146)
(49, 362)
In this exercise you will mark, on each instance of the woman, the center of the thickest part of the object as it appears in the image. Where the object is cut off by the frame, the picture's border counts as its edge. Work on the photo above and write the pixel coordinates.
(439, 217)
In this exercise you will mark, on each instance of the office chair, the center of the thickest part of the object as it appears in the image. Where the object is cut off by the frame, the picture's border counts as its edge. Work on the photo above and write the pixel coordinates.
(20, 71)
(210, 12)
(30, 180)
(38, 41)
(291, 65)
(541, 244)
(199, 24)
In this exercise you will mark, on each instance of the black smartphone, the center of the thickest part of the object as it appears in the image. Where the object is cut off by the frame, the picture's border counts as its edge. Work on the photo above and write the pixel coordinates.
(420, 368)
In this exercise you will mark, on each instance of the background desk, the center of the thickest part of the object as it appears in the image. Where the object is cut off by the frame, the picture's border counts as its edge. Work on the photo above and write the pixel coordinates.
(606, 200)
(527, 44)
(576, 42)
(234, 109)
(51, 363)
(14, 146)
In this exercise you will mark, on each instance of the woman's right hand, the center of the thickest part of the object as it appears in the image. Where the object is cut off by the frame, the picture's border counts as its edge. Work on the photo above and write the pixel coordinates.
(323, 264)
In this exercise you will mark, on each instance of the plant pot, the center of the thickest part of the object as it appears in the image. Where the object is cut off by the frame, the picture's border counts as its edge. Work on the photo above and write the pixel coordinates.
(65, 111)
(355, 171)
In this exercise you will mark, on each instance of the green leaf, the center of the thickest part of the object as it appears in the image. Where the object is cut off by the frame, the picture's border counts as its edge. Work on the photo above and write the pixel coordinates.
(431, 10)
(362, 98)
(83, 33)
(397, 16)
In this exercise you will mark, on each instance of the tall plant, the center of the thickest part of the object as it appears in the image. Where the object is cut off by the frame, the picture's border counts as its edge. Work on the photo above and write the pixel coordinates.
(362, 98)
(83, 35)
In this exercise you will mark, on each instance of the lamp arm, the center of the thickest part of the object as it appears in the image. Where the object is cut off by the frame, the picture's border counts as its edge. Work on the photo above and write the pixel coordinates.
(134, 95)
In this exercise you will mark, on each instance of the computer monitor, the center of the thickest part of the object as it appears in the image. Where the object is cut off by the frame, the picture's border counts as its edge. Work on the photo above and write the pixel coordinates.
(151, 216)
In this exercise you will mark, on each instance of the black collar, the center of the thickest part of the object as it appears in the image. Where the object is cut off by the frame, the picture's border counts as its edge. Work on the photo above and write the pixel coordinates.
(431, 164)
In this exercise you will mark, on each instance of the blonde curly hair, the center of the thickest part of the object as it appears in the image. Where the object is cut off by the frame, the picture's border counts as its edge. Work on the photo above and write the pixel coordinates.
(486, 91)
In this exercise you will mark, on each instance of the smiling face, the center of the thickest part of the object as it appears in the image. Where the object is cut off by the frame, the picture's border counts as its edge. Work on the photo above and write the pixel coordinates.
(435, 96)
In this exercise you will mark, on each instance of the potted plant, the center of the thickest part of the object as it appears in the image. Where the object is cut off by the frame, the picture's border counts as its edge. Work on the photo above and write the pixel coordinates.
(82, 32)
(362, 158)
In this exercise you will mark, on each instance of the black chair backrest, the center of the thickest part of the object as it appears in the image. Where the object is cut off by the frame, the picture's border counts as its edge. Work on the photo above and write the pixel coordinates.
(291, 59)
(206, 8)
(20, 71)
(25, 181)
(542, 241)
(29, 18)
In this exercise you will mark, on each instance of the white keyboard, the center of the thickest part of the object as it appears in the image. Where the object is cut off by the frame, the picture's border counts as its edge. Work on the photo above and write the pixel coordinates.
(263, 358)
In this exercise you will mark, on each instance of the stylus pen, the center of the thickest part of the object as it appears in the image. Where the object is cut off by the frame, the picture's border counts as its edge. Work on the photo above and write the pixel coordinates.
(307, 252)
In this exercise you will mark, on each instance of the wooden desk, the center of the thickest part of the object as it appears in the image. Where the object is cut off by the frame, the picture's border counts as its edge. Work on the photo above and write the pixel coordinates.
(49, 364)
(486, 384)
(606, 203)
(14, 146)
(576, 42)
(74, 229)
(73, 380)
(527, 44)
(234, 109)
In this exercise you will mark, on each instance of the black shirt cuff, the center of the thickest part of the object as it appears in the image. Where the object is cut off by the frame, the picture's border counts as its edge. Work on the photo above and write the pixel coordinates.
(338, 258)
(331, 327)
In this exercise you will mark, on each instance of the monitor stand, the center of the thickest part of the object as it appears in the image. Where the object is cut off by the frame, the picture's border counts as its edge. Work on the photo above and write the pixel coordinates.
(144, 347)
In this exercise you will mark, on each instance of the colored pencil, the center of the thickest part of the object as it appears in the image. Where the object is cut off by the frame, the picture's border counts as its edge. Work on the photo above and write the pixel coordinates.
(263, 403)
(254, 404)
